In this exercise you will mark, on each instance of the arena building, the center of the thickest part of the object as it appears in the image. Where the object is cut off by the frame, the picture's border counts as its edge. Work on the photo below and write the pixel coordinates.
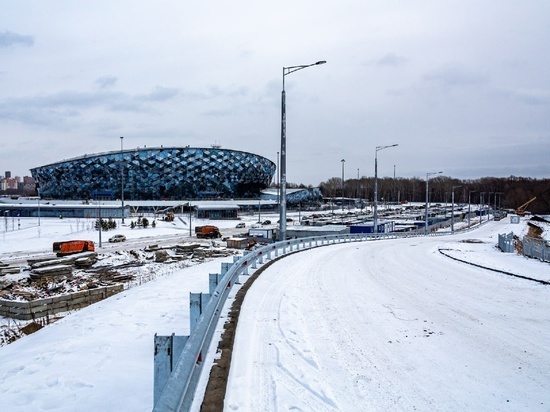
(157, 173)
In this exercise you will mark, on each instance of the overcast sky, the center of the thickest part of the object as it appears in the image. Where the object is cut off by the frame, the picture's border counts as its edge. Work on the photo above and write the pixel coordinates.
(462, 86)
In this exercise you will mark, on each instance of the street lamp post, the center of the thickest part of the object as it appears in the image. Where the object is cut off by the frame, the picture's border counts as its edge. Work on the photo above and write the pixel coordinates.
(469, 203)
(393, 194)
(357, 186)
(482, 206)
(278, 185)
(122, 175)
(378, 148)
(343, 162)
(38, 195)
(190, 233)
(259, 211)
(427, 200)
(497, 207)
(282, 171)
(453, 209)
(100, 222)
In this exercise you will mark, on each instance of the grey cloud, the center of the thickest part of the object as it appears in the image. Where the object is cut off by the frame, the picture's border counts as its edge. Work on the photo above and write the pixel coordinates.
(8, 39)
(160, 94)
(531, 97)
(453, 75)
(217, 113)
(391, 59)
(56, 107)
(106, 82)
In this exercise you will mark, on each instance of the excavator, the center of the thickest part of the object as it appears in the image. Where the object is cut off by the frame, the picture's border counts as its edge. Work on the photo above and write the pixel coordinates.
(520, 211)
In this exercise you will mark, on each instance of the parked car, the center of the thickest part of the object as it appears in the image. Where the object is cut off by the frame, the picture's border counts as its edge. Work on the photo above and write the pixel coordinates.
(240, 225)
(117, 238)
(266, 222)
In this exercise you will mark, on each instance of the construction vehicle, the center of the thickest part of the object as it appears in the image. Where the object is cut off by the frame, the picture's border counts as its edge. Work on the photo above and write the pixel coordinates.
(207, 232)
(520, 211)
(73, 246)
(168, 216)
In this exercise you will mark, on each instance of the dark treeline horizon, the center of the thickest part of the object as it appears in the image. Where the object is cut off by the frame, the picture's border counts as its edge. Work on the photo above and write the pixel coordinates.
(504, 192)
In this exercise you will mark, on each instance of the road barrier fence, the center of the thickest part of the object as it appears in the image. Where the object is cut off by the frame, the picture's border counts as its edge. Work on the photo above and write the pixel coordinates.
(179, 360)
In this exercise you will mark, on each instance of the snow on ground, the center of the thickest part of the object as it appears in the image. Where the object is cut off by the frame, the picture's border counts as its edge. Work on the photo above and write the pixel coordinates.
(461, 338)
(395, 325)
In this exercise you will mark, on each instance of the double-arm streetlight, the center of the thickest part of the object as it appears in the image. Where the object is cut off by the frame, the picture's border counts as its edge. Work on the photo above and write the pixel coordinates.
(427, 199)
(378, 148)
(282, 171)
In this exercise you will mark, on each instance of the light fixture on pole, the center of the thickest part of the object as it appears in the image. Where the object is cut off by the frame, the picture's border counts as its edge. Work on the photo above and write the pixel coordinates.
(427, 200)
(378, 148)
(282, 171)
(122, 175)
(343, 162)
(453, 209)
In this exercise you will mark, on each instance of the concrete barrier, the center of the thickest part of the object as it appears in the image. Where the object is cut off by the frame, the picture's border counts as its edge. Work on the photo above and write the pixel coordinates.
(38, 308)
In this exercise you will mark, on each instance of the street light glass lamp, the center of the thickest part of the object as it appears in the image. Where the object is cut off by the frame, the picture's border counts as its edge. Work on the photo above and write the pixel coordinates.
(282, 170)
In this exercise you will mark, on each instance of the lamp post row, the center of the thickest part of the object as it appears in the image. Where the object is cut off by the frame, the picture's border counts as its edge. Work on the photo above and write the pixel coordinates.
(427, 200)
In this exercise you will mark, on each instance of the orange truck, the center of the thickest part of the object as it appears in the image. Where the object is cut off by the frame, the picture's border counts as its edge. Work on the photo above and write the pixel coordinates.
(208, 231)
(73, 246)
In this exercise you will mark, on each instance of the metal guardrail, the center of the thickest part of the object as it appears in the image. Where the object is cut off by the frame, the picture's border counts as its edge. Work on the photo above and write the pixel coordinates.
(536, 248)
(176, 384)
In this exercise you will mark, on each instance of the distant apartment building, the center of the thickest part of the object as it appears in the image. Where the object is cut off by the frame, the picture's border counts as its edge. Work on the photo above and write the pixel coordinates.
(17, 186)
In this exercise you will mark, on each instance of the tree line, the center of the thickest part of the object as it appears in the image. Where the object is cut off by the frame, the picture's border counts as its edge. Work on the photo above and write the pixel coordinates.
(506, 193)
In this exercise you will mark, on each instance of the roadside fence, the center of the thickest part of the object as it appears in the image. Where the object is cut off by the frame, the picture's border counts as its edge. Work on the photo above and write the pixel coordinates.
(536, 248)
(179, 360)
(506, 242)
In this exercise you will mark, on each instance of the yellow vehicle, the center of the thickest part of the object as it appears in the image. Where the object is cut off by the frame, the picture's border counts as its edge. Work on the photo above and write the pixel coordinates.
(520, 211)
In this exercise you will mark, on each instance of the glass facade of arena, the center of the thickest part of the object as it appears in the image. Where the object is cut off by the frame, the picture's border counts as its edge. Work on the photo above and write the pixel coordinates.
(157, 173)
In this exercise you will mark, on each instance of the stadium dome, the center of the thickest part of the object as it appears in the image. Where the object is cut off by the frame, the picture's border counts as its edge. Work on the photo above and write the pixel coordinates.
(156, 173)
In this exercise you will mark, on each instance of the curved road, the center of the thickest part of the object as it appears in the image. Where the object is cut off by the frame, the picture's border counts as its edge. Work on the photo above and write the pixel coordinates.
(390, 325)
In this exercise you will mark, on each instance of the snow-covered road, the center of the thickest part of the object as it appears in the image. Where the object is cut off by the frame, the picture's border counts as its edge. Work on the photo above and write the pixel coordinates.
(391, 325)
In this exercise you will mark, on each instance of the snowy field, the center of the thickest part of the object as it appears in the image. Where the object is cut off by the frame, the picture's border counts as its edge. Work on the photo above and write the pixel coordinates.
(386, 325)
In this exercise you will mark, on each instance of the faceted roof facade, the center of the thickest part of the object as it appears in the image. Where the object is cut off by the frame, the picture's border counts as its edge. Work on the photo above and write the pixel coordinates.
(155, 173)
